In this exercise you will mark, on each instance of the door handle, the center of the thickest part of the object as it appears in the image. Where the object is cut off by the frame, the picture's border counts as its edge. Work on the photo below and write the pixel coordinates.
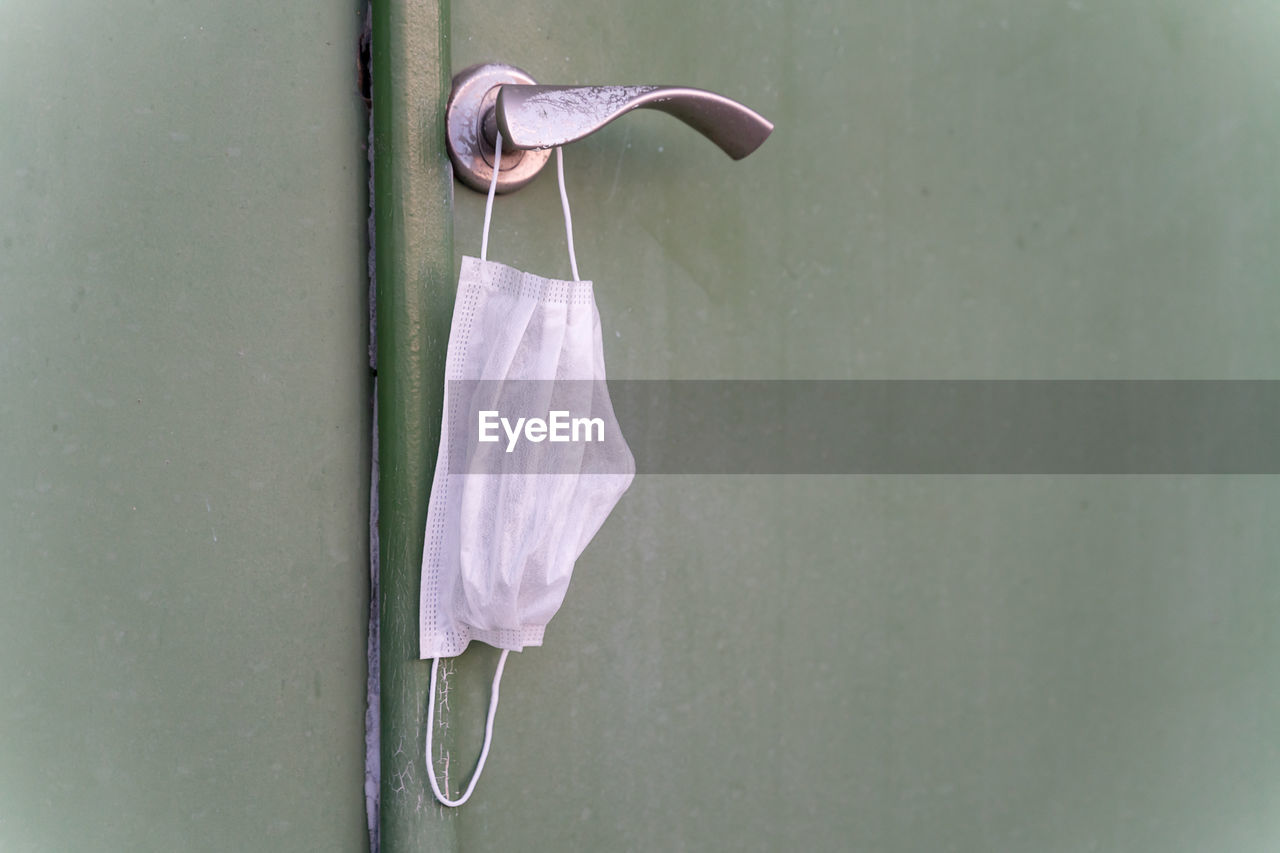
(533, 119)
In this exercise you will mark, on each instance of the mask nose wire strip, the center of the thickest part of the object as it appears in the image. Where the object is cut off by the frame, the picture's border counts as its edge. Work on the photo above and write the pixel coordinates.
(488, 734)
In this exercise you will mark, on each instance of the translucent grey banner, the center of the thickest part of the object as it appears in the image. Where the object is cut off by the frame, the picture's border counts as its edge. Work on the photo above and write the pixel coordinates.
(866, 427)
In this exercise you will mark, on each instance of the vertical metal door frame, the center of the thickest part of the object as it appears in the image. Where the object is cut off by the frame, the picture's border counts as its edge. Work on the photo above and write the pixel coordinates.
(414, 265)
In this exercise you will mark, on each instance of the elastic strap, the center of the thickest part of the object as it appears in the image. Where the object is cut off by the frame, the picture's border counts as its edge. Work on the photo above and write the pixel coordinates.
(564, 204)
(488, 204)
(488, 734)
(568, 218)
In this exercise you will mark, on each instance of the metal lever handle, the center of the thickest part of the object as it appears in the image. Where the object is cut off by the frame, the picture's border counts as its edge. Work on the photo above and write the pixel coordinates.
(547, 116)
(534, 119)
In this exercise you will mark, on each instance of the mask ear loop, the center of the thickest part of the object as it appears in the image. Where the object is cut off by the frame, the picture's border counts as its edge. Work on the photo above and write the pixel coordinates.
(488, 734)
(493, 188)
(568, 218)
(564, 205)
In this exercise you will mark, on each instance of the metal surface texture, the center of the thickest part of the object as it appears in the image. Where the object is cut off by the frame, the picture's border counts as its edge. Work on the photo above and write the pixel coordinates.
(471, 101)
(490, 97)
(547, 116)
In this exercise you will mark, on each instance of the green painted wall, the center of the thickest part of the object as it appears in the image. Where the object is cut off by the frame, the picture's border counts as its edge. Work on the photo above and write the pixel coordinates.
(184, 407)
(974, 190)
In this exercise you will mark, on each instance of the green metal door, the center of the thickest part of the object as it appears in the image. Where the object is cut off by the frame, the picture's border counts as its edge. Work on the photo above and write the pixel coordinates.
(973, 190)
(985, 189)
(184, 427)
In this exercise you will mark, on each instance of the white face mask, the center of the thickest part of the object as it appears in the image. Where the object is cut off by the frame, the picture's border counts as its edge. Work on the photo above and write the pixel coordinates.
(500, 547)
